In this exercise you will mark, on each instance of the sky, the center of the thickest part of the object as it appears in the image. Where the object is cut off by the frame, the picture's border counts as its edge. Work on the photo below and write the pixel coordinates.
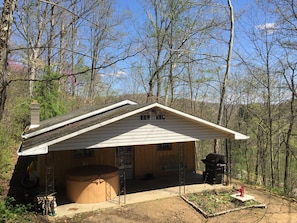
(135, 6)
(246, 8)
(250, 19)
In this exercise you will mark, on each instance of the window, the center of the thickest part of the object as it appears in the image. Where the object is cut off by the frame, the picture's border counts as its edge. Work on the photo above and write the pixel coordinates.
(160, 117)
(145, 117)
(124, 157)
(164, 147)
(84, 153)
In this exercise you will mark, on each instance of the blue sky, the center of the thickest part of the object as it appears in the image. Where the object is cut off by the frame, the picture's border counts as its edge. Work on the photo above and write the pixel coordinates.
(247, 7)
(250, 18)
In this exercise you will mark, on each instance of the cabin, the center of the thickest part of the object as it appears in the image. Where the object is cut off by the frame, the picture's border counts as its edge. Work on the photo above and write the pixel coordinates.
(100, 145)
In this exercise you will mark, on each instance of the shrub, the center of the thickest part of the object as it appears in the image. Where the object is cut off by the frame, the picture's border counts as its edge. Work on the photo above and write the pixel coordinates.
(10, 212)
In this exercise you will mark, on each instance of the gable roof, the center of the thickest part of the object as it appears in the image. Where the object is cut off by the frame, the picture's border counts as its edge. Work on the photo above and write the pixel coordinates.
(61, 128)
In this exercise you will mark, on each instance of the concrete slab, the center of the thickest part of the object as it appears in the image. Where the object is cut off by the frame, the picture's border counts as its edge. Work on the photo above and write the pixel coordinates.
(246, 197)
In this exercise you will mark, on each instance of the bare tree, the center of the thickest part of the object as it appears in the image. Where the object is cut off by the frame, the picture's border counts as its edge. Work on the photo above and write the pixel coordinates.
(103, 37)
(173, 26)
(286, 13)
(5, 31)
(224, 84)
(32, 28)
(289, 74)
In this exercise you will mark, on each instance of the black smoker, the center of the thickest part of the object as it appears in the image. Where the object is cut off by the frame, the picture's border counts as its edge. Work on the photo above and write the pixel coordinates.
(214, 168)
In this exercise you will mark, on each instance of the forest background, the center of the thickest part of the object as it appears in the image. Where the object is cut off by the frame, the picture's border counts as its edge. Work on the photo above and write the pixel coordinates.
(232, 64)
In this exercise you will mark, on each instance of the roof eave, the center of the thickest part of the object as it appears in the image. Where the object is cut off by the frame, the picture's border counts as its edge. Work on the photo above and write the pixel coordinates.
(36, 150)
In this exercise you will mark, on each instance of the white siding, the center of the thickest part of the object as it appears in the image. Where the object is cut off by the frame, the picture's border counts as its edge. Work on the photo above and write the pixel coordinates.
(133, 131)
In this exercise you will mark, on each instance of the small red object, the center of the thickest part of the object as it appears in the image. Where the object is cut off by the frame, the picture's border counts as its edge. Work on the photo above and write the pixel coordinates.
(241, 191)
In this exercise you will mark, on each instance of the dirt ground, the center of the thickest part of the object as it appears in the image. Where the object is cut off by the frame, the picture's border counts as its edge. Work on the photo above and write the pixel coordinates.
(176, 210)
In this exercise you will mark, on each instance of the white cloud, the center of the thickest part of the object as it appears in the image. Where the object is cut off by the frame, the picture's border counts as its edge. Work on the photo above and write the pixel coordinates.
(269, 28)
(115, 74)
(118, 74)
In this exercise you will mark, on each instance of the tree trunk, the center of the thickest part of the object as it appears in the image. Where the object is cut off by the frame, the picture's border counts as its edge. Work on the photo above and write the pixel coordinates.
(62, 53)
(51, 38)
(73, 38)
(270, 122)
(288, 152)
(5, 30)
(226, 75)
(93, 67)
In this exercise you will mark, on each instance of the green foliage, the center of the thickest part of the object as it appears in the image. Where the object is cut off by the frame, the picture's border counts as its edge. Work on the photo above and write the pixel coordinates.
(6, 143)
(49, 96)
(20, 115)
(276, 190)
(11, 213)
(210, 205)
(216, 201)
(11, 128)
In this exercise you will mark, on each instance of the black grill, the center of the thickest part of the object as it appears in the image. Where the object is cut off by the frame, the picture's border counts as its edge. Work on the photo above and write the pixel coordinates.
(214, 168)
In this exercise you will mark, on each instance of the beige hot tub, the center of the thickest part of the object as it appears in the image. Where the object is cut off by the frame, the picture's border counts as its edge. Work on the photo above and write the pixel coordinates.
(92, 184)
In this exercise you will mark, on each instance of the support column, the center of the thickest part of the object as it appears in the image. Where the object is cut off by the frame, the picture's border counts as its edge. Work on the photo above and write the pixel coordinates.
(182, 172)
